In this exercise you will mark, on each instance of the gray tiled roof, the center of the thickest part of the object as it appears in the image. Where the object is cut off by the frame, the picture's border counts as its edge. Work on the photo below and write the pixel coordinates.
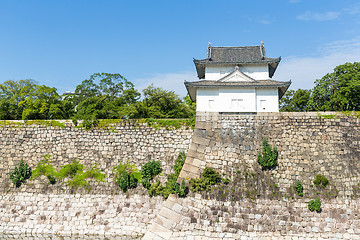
(192, 86)
(236, 55)
(257, 83)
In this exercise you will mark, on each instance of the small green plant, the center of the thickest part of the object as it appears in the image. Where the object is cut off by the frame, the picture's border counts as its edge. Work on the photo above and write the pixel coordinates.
(149, 170)
(209, 177)
(321, 181)
(20, 174)
(179, 162)
(44, 168)
(267, 159)
(315, 205)
(79, 180)
(299, 188)
(71, 169)
(126, 176)
(226, 181)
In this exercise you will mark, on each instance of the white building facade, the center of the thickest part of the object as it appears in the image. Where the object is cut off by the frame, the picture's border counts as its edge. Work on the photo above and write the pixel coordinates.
(236, 79)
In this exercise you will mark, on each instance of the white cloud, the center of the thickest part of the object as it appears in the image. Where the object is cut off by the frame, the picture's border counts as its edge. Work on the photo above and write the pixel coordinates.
(167, 81)
(326, 16)
(264, 21)
(303, 71)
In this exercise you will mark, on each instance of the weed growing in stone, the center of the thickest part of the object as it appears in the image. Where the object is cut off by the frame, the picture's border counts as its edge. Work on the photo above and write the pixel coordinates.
(209, 178)
(149, 170)
(126, 176)
(267, 159)
(315, 205)
(299, 188)
(20, 174)
(44, 168)
(321, 181)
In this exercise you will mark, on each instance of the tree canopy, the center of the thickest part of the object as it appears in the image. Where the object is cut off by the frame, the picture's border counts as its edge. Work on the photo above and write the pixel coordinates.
(336, 91)
(102, 96)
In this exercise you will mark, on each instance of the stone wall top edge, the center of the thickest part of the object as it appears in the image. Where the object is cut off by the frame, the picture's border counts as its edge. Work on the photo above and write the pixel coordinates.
(209, 115)
(69, 123)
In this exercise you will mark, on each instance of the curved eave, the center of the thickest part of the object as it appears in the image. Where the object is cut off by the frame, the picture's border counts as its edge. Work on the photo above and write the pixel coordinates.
(191, 87)
(201, 63)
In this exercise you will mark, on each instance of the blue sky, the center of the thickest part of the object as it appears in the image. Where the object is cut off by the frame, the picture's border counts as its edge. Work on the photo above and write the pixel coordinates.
(61, 43)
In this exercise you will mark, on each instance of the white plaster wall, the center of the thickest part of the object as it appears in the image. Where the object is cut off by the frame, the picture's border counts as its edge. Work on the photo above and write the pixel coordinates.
(237, 100)
(215, 72)
(226, 100)
(207, 100)
(267, 100)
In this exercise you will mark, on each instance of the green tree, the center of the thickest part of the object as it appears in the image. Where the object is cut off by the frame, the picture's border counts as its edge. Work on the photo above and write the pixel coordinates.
(103, 96)
(25, 99)
(295, 101)
(159, 103)
(337, 91)
(43, 103)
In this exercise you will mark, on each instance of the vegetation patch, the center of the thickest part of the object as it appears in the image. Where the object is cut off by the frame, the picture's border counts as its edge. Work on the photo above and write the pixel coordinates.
(20, 174)
(126, 176)
(299, 188)
(321, 181)
(315, 205)
(208, 178)
(44, 168)
(171, 123)
(149, 170)
(46, 123)
(267, 159)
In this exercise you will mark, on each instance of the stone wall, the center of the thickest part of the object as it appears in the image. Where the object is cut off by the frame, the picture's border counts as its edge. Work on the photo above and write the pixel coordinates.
(262, 203)
(43, 216)
(107, 147)
(255, 204)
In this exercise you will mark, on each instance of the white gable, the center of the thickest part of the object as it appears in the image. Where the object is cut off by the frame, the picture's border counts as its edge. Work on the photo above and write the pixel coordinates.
(236, 76)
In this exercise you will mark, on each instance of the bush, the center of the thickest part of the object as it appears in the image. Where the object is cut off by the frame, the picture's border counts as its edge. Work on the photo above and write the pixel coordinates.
(267, 159)
(209, 177)
(171, 185)
(315, 205)
(20, 174)
(299, 188)
(71, 169)
(321, 181)
(79, 179)
(179, 162)
(149, 170)
(126, 176)
(44, 168)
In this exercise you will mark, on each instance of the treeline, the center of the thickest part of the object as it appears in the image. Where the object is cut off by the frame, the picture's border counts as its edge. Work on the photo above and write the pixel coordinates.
(336, 91)
(102, 96)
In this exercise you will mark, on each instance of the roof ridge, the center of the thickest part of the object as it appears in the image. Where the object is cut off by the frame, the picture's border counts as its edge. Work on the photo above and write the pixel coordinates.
(238, 46)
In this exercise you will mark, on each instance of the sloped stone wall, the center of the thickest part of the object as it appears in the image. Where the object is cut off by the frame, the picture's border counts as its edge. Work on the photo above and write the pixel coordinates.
(263, 204)
(106, 147)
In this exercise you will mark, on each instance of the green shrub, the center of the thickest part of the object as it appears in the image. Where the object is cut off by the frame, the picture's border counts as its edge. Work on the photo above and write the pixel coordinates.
(321, 181)
(126, 176)
(315, 205)
(71, 169)
(20, 174)
(226, 181)
(156, 189)
(267, 159)
(44, 168)
(179, 162)
(149, 170)
(171, 185)
(209, 177)
(299, 188)
(79, 179)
